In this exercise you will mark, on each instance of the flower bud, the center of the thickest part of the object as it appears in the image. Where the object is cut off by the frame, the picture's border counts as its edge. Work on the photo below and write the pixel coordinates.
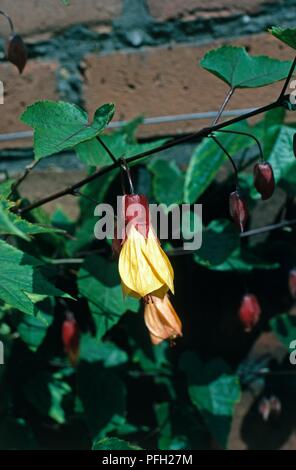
(249, 311)
(292, 283)
(136, 212)
(238, 210)
(17, 52)
(264, 179)
(70, 338)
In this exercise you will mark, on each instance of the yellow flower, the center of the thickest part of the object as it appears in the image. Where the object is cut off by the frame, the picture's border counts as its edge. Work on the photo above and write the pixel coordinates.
(143, 266)
(161, 319)
(146, 271)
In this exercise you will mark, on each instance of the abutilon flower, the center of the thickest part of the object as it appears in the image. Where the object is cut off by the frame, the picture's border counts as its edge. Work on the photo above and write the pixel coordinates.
(161, 319)
(146, 271)
(70, 338)
(144, 267)
(238, 210)
(292, 283)
(264, 179)
(249, 311)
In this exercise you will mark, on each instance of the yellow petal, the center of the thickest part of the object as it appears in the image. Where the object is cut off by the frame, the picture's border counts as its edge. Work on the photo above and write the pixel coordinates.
(159, 260)
(135, 269)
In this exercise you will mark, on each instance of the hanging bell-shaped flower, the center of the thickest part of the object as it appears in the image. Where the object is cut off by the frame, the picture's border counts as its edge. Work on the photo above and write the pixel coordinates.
(264, 179)
(238, 210)
(17, 52)
(249, 312)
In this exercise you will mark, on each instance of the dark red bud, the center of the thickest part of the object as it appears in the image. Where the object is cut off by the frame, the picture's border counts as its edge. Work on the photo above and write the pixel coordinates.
(292, 283)
(136, 212)
(238, 210)
(17, 52)
(249, 311)
(264, 179)
(70, 338)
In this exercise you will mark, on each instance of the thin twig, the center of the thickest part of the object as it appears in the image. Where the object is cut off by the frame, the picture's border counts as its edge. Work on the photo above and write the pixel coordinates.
(205, 132)
(228, 156)
(223, 106)
(286, 84)
(248, 135)
(268, 228)
(9, 21)
(26, 172)
(113, 158)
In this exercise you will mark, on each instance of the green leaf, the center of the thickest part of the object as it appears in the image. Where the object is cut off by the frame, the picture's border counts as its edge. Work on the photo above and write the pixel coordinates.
(220, 240)
(112, 443)
(206, 161)
(286, 35)
(22, 277)
(281, 157)
(104, 401)
(242, 261)
(32, 330)
(48, 395)
(214, 390)
(12, 224)
(91, 153)
(59, 125)
(166, 172)
(98, 281)
(284, 327)
(236, 67)
(91, 350)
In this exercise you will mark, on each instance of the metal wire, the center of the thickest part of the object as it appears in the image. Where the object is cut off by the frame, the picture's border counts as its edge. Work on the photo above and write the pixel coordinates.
(12, 136)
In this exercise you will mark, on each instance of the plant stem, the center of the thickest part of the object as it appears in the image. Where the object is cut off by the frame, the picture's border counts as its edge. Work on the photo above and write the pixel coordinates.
(9, 21)
(113, 158)
(248, 135)
(205, 132)
(286, 84)
(228, 156)
(223, 106)
(24, 175)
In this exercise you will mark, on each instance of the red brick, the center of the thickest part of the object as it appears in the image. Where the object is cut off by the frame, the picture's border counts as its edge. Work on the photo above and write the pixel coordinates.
(37, 82)
(187, 9)
(166, 81)
(35, 16)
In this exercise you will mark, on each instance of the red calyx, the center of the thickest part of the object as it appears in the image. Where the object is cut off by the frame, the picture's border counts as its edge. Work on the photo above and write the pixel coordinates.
(292, 283)
(17, 52)
(264, 179)
(238, 210)
(136, 212)
(70, 338)
(249, 311)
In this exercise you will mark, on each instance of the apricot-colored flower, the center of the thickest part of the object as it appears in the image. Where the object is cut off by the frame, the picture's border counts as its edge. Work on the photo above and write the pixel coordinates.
(143, 266)
(161, 319)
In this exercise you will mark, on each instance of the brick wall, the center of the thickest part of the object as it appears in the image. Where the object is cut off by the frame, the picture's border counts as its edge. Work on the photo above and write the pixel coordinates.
(141, 54)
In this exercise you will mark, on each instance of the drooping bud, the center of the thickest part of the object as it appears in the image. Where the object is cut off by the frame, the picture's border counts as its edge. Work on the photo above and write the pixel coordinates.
(292, 283)
(17, 52)
(161, 319)
(249, 312)
(264, 179)
(70, 338)
(238, 210)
